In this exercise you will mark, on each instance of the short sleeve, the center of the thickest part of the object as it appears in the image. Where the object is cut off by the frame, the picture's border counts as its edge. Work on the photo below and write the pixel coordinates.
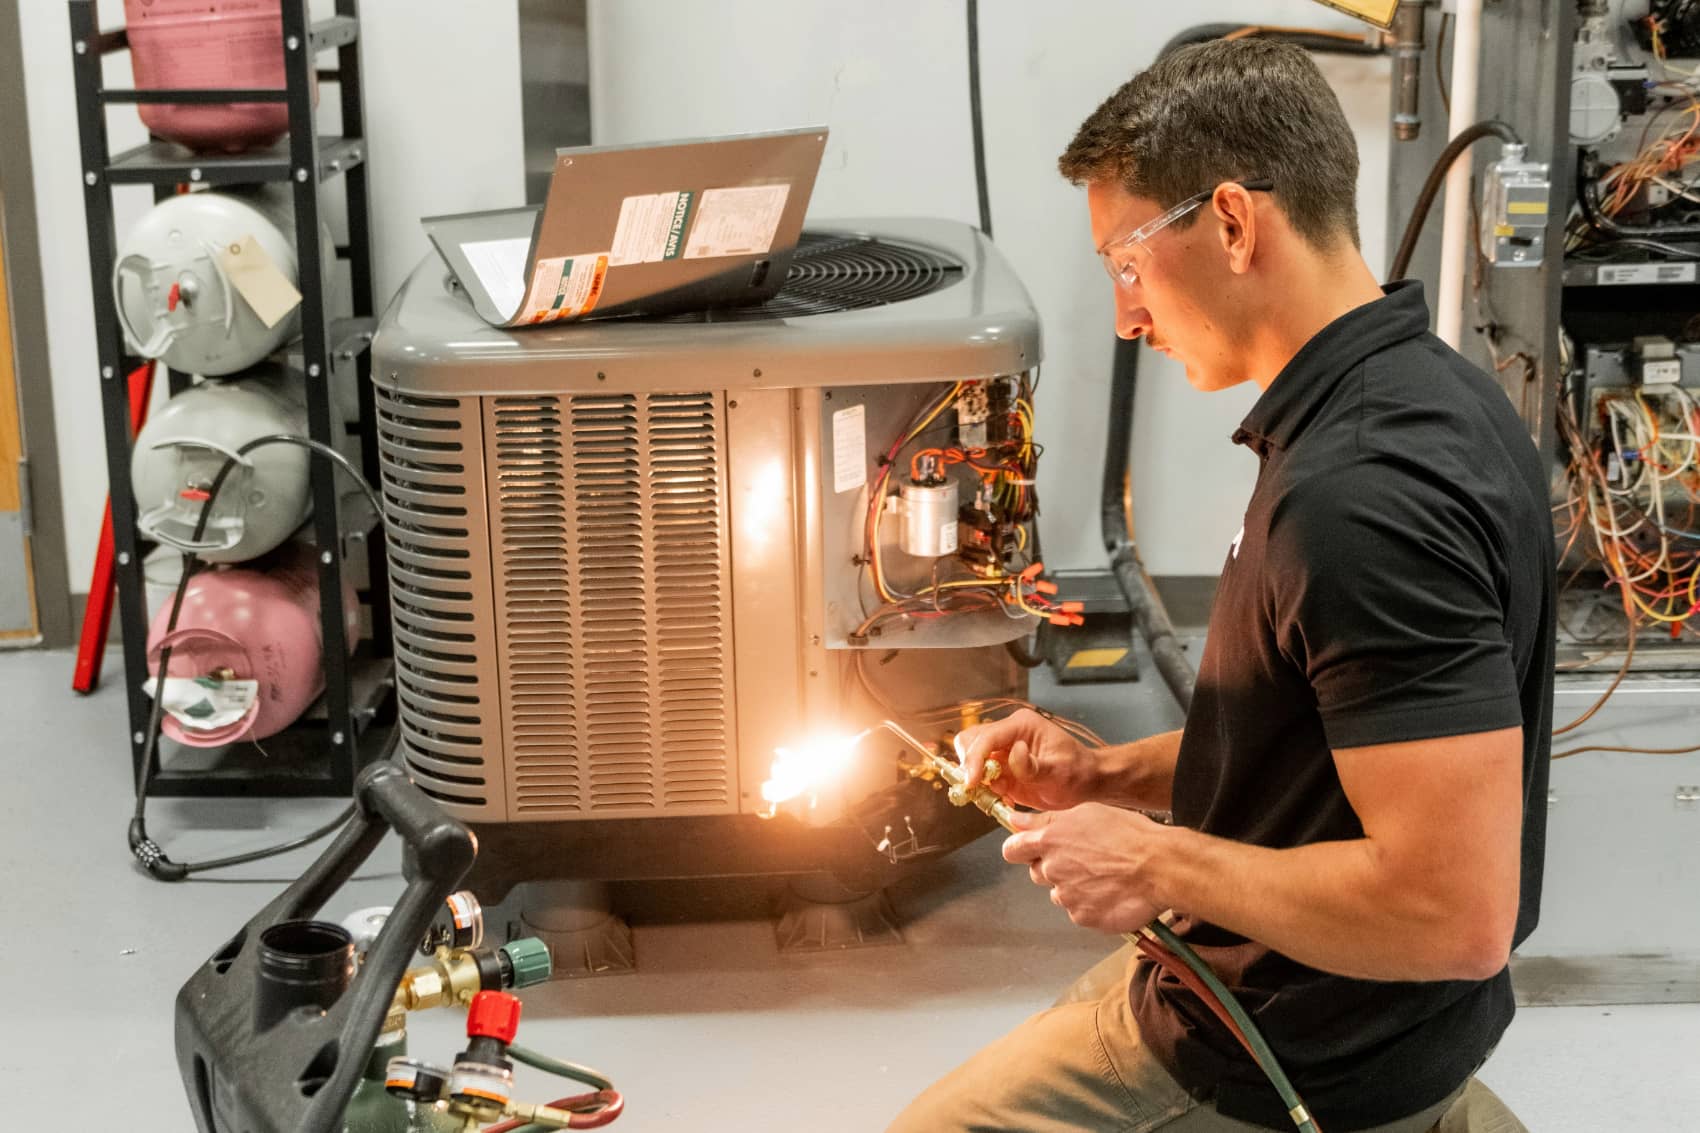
(1382, 591)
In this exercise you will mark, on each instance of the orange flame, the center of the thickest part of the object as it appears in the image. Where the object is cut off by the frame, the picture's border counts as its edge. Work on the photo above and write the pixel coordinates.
(808, 768)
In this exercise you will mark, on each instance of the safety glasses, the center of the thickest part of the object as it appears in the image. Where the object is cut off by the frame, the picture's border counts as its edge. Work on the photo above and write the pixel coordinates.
(1117, 252)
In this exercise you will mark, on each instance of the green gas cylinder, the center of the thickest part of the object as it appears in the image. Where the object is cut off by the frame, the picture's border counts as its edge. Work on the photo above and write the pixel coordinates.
(373, 1110)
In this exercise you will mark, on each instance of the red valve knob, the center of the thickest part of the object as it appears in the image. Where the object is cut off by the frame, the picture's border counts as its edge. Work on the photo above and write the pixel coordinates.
(172, 296)
(493, 1014)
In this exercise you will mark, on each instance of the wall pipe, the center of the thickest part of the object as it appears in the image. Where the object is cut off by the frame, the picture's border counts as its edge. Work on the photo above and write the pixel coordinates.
(1408, 21)
(1455, 230)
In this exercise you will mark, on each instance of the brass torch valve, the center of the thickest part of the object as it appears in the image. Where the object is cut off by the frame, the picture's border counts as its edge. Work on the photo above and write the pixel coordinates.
(455, 975)
(948, 773)
(459, 966)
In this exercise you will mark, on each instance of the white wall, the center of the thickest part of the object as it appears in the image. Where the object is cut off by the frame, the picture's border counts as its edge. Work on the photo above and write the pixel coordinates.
(888, 76)
(443, 122)
(890, 79)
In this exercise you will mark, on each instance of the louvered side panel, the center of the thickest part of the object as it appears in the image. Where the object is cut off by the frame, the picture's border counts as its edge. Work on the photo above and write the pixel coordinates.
(690, 601)
(614, 631)
(431, 457)
(531, 498)
(610, 537)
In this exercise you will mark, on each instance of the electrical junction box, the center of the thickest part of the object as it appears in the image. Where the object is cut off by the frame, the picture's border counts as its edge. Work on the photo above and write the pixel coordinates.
(1659, 365)
(1650, 361)
(1514, 210)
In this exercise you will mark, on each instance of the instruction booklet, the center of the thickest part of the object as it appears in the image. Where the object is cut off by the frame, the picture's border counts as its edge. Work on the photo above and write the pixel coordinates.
(642, 229)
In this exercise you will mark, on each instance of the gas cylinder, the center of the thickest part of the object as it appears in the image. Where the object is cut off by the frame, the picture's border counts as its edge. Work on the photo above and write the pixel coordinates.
(178, 454)
(234, 44)
(176, 298)
(249, 637)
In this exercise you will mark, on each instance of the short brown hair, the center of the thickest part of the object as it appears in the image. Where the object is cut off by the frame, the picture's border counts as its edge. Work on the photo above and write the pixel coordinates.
(1221, 111)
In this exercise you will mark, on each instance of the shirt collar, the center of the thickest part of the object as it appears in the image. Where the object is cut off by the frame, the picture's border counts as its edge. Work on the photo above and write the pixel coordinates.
(1306, 381)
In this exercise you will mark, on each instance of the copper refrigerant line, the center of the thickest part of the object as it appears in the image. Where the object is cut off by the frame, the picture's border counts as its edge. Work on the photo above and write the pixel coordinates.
(1156, 941)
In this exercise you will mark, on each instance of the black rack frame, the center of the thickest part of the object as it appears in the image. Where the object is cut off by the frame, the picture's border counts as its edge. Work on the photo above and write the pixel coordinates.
(321, 754)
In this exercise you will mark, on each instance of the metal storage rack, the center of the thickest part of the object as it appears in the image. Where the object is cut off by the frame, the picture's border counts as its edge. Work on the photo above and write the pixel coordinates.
(321, 754)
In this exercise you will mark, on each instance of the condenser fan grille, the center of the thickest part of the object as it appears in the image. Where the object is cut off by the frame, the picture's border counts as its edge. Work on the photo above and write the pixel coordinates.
(833, 272)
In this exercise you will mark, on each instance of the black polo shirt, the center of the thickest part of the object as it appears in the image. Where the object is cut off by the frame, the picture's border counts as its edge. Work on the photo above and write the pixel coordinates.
(1393, 582)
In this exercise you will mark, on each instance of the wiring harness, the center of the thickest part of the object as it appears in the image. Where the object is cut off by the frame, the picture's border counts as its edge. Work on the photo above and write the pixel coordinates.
(1632, 511)
(994, 568)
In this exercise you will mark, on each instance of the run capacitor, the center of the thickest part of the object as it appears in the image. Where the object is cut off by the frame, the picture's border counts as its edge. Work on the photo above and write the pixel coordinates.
(929, 518)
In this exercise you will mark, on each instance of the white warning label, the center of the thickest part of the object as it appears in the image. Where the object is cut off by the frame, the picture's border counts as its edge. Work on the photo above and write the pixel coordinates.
(736, 222)
(652, 228)
(849, 448)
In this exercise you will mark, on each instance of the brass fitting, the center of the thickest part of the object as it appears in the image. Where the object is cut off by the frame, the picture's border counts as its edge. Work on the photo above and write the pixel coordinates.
(481, 1113)
(451, 978)
(540, 1115)
(948, 773)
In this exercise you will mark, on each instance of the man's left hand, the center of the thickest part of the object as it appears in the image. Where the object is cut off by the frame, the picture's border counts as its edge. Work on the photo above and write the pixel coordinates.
(1095, 859)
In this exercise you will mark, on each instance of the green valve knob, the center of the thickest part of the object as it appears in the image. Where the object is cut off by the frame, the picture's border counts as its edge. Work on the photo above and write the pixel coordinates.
(528, 959)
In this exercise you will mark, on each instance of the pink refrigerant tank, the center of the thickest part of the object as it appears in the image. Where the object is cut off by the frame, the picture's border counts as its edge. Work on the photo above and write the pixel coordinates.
(260, 625)
(181, 44)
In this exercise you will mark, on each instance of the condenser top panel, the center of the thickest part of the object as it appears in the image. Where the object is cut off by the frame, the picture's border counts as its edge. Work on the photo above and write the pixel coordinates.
(622, 233)
(864, 302)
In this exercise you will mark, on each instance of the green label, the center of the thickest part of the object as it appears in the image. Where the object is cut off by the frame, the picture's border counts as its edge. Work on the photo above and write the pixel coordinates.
(561, 287)
(681, 223)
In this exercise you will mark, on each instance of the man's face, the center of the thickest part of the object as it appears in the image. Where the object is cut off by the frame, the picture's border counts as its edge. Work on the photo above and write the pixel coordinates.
(1183, 298)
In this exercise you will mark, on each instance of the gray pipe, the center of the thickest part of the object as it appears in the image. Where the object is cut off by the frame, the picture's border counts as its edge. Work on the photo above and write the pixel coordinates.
(1408, 22)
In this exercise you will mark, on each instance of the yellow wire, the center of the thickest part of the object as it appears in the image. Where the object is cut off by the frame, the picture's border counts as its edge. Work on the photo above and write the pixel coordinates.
(1648, 611)
(885, 478)
(1635, 596)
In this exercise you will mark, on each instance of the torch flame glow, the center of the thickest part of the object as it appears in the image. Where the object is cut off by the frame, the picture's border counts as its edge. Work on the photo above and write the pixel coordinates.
(808, 767)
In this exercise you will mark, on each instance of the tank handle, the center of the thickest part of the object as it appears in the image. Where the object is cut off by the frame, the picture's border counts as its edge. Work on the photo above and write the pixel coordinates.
(163, 332)
(169, 524)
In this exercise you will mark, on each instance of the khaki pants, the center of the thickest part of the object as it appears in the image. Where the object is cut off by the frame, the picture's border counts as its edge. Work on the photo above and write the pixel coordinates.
(1081, 1066)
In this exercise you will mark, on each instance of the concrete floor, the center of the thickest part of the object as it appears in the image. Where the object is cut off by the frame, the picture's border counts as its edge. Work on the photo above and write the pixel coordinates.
(717, 1031)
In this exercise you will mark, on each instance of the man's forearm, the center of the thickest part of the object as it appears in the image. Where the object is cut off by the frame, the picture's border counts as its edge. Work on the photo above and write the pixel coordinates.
(1336, 906)
(1140, 775)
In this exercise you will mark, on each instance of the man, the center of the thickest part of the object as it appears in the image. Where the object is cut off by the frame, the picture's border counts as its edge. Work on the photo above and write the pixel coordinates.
(1358, 829)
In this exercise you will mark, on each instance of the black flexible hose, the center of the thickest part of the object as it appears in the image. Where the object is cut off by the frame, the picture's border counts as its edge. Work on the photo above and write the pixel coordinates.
(1454, 149)
(976, 119)
(1587, 197)
(146, 851)
(1149, 616)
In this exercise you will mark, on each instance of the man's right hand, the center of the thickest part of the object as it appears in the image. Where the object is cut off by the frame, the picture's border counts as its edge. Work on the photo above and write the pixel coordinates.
(1043, 766)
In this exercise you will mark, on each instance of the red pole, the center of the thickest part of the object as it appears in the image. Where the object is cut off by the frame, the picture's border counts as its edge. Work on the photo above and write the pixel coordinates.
(97, 617)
